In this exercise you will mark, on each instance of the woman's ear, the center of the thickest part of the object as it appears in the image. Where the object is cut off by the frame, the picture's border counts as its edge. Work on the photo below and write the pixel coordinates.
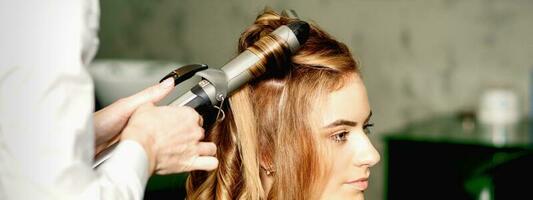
(267, 166)
(266, 174)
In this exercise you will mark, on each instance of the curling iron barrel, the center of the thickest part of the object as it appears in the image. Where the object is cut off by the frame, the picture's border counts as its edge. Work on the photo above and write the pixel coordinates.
(217, 84)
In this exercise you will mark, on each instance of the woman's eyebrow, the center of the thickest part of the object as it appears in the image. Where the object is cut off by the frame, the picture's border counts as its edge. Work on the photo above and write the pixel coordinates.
(341, 122)
(347, 122)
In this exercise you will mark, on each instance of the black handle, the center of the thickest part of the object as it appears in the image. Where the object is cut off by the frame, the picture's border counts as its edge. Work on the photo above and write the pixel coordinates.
(185, 72)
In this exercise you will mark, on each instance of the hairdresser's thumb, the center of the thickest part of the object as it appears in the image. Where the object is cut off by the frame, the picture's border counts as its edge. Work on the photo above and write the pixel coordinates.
(152, 94)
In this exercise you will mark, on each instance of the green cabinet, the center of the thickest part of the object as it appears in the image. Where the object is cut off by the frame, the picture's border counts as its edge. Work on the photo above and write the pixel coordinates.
(440, 159)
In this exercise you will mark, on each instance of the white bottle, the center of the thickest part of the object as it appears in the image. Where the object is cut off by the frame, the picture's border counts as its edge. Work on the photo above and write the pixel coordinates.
(498, 115)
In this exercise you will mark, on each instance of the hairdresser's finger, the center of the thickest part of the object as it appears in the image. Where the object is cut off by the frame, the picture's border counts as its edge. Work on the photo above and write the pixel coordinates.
(153, 94)
(207, 149)
(193, 115)
(206, 163)
(200, 120)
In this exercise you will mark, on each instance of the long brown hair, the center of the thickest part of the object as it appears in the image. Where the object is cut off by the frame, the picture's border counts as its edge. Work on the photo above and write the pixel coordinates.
(271, 120)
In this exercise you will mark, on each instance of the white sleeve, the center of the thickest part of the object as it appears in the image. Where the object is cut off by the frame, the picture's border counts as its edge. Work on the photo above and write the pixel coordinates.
(46, 110)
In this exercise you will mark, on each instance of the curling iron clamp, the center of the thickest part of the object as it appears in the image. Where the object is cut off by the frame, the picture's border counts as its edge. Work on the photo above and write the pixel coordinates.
(217, 84)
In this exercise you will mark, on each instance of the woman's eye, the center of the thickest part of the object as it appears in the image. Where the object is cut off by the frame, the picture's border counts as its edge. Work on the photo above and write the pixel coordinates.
(340, 137)
(366, 128)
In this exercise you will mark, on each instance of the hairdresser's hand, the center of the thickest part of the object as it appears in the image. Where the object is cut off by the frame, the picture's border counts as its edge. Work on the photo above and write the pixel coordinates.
(171, 137)
(111, 120)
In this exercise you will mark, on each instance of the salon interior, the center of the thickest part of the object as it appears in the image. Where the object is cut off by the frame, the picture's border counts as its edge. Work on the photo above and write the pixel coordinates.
(449, 82)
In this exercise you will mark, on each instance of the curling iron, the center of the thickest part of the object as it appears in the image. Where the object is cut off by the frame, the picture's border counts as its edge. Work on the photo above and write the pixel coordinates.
(217, 84)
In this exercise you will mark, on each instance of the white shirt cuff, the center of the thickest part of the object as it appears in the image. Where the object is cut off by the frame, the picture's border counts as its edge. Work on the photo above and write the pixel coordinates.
(128, 165)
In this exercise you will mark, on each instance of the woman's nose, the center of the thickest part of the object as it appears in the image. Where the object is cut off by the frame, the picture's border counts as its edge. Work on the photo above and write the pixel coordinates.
(365, 153)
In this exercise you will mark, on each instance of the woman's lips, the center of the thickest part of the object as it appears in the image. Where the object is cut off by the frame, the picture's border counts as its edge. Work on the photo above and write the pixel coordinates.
(359, 184)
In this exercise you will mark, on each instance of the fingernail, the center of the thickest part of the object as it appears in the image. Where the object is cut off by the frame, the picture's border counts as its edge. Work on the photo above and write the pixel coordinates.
(167, 83)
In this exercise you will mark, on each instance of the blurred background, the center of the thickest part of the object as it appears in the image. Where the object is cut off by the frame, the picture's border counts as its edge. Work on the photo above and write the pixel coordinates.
(448, 80)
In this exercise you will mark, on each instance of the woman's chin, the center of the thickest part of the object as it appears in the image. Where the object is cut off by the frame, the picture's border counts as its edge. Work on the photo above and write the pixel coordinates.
(345, 194)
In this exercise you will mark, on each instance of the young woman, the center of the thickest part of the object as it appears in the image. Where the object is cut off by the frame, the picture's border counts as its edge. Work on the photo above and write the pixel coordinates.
(297, 132)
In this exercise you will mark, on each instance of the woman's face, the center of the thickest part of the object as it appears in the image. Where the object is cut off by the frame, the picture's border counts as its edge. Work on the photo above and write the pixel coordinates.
(344, 134)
